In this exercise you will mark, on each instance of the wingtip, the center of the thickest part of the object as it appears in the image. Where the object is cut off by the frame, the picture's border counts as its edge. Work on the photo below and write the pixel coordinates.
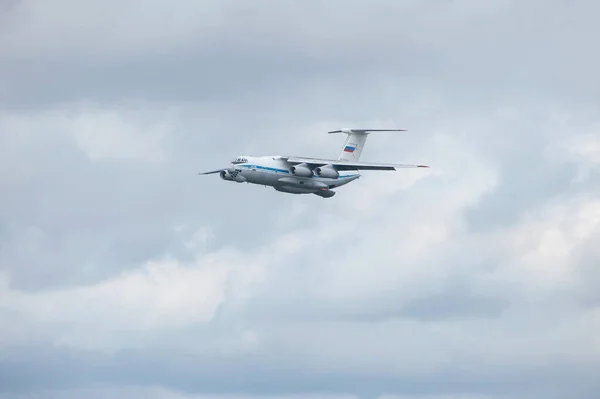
(422, 166)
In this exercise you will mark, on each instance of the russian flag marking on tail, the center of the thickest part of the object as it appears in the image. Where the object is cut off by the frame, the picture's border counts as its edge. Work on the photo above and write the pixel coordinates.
(355, 142)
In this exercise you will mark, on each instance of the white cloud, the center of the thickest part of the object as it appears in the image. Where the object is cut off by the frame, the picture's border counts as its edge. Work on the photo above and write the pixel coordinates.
(388, 271)
(199, 240)
(160, 295)
(388, 261)
(467, 271)
(106, 135)
(588, 145)
(100, 133)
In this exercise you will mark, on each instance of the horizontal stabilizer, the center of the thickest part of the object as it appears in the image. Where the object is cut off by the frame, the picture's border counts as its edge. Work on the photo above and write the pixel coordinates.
(349, 131)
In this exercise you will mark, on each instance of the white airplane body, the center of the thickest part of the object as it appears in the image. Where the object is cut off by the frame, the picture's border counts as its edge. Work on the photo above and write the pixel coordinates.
(301, 175)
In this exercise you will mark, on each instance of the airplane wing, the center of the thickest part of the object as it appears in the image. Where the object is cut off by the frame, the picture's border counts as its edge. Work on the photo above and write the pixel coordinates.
(346, 165)
(212, 171)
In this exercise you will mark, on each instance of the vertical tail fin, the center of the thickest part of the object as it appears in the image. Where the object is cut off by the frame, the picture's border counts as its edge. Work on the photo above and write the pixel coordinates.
(355, 142)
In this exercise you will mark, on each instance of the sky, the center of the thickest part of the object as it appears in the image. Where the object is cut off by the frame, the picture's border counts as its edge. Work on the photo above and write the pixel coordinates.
(125, 274)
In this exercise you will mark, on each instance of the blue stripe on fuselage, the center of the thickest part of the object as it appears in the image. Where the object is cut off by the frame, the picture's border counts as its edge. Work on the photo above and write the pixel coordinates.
(277, 170)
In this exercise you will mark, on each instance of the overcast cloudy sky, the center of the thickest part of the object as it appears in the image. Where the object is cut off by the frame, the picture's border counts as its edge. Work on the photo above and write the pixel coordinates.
(124, 274)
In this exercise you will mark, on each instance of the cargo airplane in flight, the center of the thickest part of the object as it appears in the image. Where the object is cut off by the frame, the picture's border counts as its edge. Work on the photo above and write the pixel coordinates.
(300, 175)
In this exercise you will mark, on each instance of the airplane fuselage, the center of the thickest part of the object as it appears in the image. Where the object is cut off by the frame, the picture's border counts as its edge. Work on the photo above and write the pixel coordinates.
(284, 176)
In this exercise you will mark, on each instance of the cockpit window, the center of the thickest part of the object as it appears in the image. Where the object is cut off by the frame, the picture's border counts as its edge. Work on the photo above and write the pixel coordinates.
(239, 160)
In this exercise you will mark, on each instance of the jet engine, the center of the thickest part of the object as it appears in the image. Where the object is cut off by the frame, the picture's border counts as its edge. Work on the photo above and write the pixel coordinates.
(327, 171)
(225, 175)
(232, 175)
(301, 170)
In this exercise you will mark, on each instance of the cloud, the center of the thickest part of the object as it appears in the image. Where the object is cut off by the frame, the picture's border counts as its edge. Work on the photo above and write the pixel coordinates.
(123, 272)
(163, 295)
(157, 392)
(228, 51)
(462, 294)
(100, 134)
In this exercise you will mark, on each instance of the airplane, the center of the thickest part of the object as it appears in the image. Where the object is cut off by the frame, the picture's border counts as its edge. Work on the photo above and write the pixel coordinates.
(301, 175)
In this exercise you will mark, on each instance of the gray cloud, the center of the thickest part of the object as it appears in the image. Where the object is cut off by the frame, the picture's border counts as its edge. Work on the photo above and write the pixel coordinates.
(248, 374)
(238, 53)
(120, 266)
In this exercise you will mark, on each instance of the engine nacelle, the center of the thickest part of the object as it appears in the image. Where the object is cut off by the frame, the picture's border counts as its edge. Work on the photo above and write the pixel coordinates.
(225, 175)
(327, 171)
(301, 170)
(232, 176)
